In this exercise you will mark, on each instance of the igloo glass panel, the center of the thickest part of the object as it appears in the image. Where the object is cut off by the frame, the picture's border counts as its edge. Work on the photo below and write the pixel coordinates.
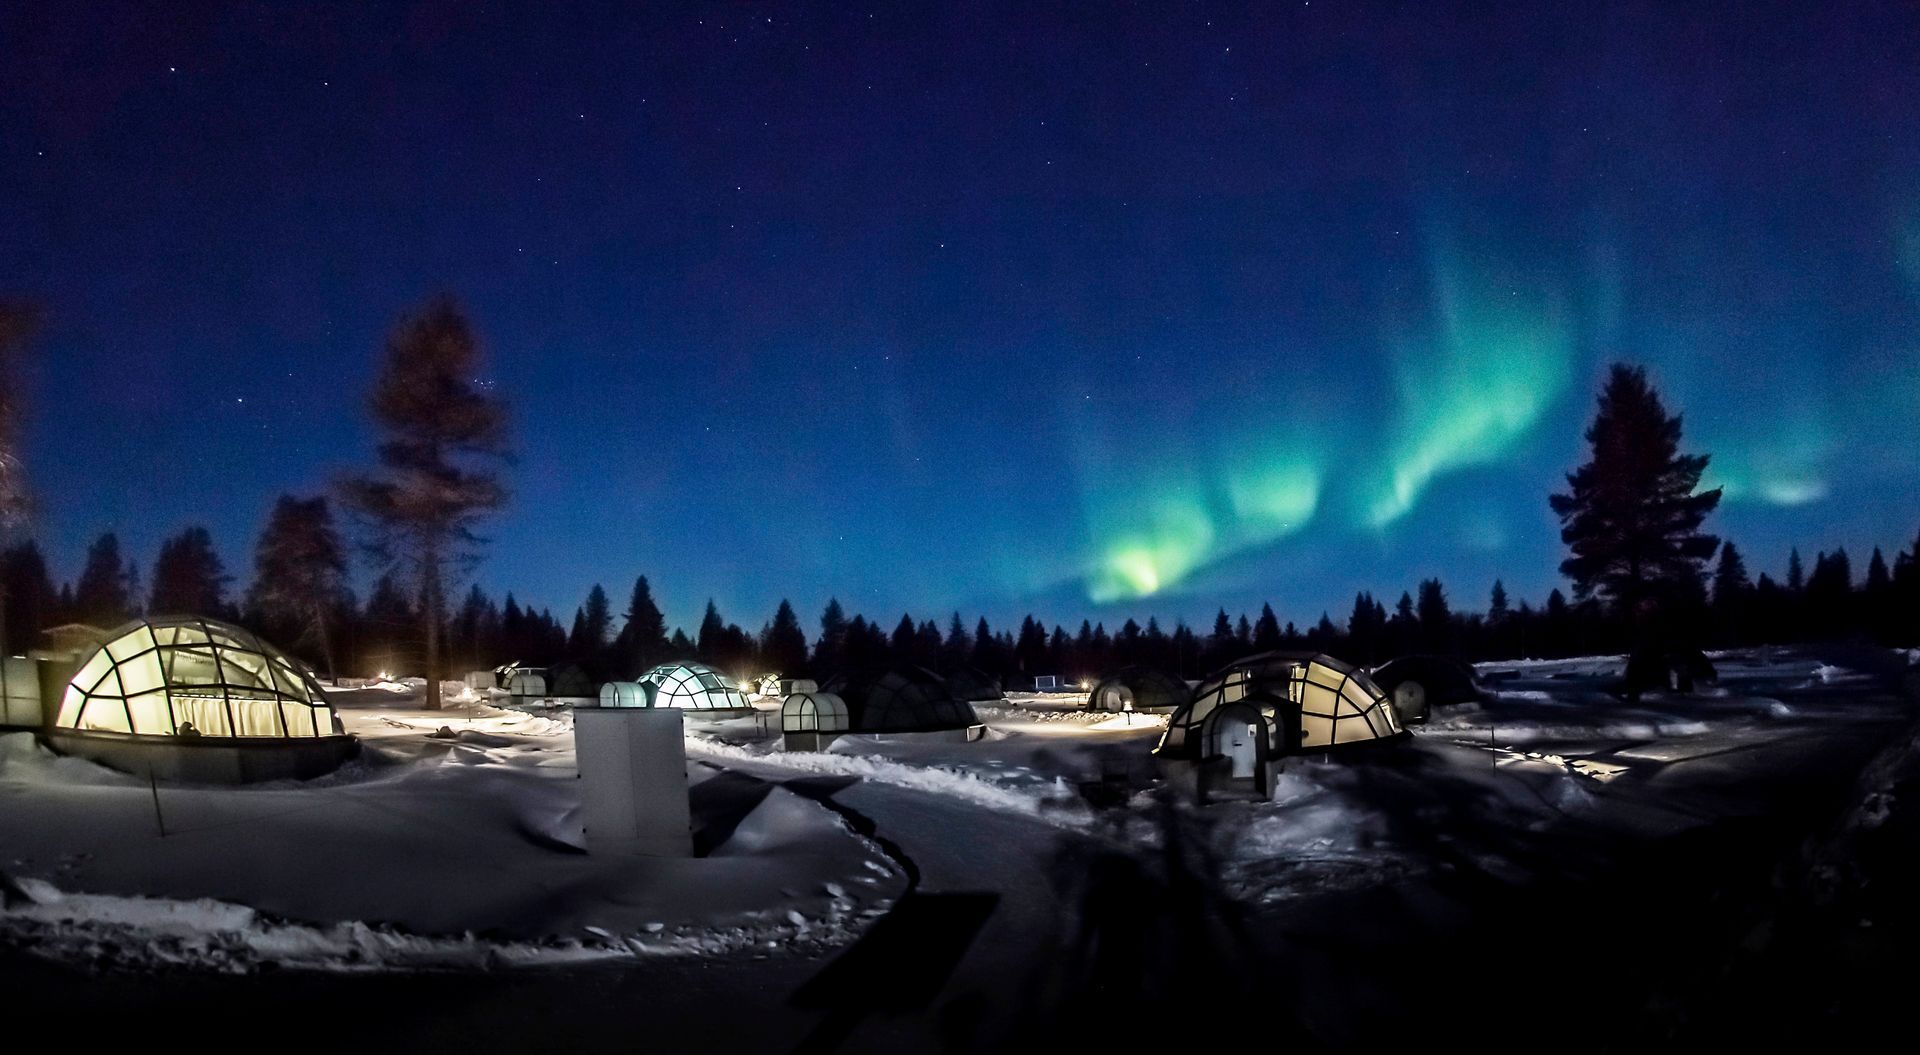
(206, 715)
(1348, 730)
(1357, 696)
(1318, 699)
(256, 717)
(69, 714)
(151, 714)
(246, 669)
(141, 674)
(299, 719)
(192, 665)
(88, 677)
(105, 715)
(130, 645)
(1316, 731)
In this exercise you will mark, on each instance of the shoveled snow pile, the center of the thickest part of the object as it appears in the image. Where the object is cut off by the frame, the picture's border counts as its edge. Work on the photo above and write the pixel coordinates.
(1054, 802)
(1080, 716)
(116, 932)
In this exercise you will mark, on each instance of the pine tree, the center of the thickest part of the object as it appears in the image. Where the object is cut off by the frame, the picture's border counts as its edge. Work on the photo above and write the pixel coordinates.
(1877, 599)
(188, 578)
(444, 439)
(829, 652)
(905, 632)
(1030, 650)
(784, 645)
(1266, 632)
(597, 622)
(926, 645)
(27, 595)
(1436, 617)
(102, 597)
(1730, 583)
(475, 629)
(643, 639)
(986, 650)
(300, 571)
(389, 622)
(1366, 628)
(1631, 515)
(577, 637)
(1731, 592)
(1829, 595)
(711, 642)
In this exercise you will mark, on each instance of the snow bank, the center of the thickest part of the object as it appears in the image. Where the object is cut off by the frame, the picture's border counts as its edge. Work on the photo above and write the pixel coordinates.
(105, 931)
(1055, 802)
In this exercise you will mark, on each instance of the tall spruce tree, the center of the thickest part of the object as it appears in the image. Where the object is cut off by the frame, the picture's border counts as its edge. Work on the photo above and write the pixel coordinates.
(188, 577)
(785, 644)
(444, 440)
(598, 621)
(1436, 617)
(300, 571)
(643, 638)
(1730, 582)
(1631, 515)
(829, 653)
(27, 595)
(103, 596)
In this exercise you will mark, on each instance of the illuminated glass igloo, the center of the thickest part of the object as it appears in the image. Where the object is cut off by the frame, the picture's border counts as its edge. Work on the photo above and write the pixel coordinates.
(810, 720)
(694, 687)
(197, 699)
(1277, 704)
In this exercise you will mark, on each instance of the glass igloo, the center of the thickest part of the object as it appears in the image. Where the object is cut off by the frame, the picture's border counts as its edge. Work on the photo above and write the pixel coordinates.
(694, 687)
(1304, 702)
(905, 699)
(185, 698)
(189, 677)
(810, 720)
(1138, 689)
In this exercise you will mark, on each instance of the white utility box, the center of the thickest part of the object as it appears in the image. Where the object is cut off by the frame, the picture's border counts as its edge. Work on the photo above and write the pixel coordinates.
(633, 781)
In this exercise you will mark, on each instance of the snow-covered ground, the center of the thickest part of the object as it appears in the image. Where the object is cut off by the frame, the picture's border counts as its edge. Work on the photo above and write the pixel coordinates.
(452, 844)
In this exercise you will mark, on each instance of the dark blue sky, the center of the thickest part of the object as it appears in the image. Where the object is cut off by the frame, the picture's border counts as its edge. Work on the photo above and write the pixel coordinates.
(1087, 310)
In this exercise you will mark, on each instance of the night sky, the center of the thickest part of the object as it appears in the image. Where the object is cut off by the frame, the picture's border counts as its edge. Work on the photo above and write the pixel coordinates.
(1117, 310)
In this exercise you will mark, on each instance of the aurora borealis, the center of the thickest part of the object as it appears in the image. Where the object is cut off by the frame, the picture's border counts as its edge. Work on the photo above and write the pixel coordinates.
(990, 308)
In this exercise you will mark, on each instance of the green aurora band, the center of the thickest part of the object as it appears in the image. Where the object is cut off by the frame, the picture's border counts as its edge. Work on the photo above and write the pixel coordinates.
(1471, 391)
(1466, 394)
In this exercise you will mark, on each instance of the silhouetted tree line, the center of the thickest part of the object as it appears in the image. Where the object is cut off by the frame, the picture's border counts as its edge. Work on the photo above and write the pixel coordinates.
(299, 599)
